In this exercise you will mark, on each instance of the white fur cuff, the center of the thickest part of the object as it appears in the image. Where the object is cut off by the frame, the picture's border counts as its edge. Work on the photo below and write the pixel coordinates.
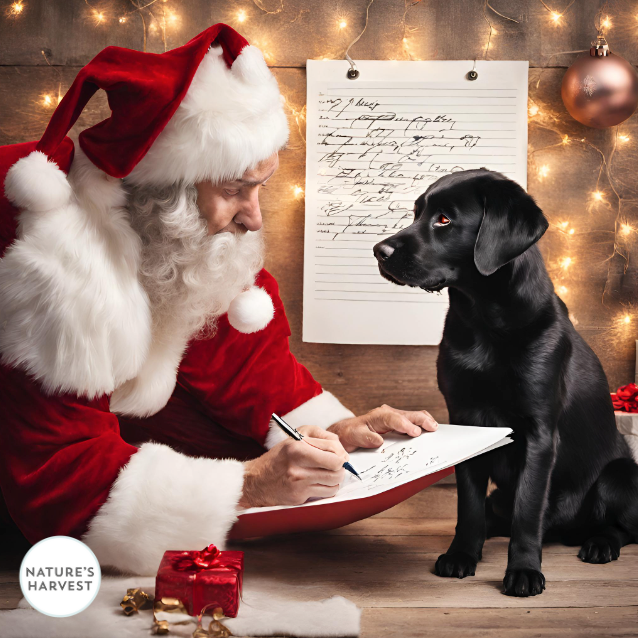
(163, 500)
(322, 410)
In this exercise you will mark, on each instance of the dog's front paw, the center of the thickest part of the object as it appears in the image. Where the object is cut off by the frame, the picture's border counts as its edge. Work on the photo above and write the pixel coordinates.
(456, 564)
(599, 549)
(523, 582)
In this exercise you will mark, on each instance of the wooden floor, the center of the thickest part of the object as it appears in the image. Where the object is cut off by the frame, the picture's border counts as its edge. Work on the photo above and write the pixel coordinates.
(385, 565)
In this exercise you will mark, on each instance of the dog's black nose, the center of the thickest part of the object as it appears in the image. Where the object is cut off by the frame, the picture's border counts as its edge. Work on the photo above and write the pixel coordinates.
(383, 251)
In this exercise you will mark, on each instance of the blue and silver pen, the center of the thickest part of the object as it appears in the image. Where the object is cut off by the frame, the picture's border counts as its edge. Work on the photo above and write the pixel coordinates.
(293, 434)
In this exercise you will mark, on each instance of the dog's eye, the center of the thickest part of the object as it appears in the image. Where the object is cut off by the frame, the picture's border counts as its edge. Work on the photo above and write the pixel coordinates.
(442, 220)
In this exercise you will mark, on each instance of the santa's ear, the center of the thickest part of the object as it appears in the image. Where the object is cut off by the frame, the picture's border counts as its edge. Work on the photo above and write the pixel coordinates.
(512, 222)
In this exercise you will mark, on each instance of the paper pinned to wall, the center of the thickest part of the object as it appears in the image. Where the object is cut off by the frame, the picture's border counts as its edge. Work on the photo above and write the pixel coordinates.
(373, 146)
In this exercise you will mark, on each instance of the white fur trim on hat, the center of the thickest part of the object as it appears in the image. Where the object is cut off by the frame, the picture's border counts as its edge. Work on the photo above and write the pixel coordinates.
(36, 183)
(228, 122)
(251, 310)
(164, 500)
(322, 410)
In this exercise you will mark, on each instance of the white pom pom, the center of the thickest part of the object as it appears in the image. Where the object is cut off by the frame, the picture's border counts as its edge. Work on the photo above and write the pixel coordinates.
(251, 310)
(37, 184)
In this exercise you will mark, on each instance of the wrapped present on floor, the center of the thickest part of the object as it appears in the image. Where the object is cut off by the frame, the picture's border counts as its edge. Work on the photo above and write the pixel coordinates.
(625, 401)
(202, 580)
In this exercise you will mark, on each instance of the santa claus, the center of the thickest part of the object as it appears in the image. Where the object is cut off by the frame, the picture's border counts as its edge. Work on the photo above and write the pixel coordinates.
(134, 309)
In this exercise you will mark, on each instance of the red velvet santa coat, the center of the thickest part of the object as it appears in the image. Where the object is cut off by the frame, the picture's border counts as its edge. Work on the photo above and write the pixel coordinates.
(64, 466)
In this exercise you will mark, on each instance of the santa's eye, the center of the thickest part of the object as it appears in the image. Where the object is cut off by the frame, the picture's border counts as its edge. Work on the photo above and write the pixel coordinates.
(442, 220)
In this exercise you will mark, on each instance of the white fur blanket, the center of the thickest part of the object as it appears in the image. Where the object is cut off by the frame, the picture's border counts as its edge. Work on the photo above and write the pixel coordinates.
(260, 614)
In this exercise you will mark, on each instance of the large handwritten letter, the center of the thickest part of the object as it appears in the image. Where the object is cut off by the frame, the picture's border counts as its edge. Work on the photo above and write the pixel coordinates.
(402, 459)
(373, 146)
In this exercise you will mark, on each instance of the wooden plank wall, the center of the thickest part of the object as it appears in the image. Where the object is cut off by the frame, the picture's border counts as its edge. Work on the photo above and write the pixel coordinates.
(43, 47)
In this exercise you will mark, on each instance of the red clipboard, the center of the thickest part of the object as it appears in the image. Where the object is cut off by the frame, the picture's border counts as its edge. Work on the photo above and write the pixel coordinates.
(318, 518)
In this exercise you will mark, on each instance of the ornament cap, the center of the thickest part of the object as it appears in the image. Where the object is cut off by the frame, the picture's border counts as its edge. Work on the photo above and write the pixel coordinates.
(599, 47)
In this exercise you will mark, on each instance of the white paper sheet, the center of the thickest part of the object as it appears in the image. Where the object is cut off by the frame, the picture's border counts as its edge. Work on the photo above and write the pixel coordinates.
(373, 146)
(403, 459)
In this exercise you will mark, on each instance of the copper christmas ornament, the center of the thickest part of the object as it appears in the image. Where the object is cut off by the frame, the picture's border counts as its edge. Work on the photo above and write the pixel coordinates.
(600, 89)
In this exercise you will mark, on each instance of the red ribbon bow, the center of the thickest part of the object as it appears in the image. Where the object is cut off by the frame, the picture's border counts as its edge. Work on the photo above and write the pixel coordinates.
(203, 559)
(625, 398)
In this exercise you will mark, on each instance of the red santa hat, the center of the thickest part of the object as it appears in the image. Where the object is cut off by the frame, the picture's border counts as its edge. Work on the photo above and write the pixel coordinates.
(209, 110)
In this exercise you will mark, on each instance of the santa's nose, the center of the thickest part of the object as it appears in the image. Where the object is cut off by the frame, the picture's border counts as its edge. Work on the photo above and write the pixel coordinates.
(250, 215)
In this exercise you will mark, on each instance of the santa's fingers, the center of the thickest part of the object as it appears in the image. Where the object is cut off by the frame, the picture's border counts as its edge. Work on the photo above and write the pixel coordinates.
(387, 419)
(322, 491)
(303, 454)
(383, 421)
(319, 476)
(420, 417)
(332, 447)
(317, 432)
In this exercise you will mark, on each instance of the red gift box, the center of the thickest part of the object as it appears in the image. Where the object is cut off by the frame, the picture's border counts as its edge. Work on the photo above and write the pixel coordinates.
(625, 399)
(208, 578)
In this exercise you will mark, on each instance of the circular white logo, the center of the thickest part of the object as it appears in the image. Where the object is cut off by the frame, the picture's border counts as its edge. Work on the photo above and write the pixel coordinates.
(60, 576)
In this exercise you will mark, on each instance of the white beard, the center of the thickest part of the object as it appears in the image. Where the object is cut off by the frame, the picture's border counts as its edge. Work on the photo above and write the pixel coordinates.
(190, 277)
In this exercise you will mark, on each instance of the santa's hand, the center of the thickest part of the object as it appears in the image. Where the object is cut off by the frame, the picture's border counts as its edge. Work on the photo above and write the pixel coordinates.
(366, 430)
(293, 471)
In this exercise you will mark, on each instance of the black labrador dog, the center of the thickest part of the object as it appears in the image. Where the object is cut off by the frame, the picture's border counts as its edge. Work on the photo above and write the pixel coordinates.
(511, 357)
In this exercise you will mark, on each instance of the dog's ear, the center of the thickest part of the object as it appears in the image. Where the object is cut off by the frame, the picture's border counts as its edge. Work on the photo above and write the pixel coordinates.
(512, 222)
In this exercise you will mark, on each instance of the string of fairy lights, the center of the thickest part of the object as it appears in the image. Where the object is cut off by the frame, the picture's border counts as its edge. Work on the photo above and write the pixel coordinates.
(160, 17)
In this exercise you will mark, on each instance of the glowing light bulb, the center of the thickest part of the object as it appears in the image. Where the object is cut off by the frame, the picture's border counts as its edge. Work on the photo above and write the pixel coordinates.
(405, 40)
(597, 195)
(17, 8)
(623, 138)
(566, 262)
(99, 17)
(342, 24)
(566, 139)
(626, 319)
(543, 171)
(564, 225)
(122, 20)
(556, 17)
(625, 229)
(298, 191)
(241, 16)
(47, 100)
(571, 231)
(533, 110)
(606, 23)
(562, 290)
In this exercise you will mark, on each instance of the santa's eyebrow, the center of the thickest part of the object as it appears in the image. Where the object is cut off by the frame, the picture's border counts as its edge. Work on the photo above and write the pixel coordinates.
(245, 182)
